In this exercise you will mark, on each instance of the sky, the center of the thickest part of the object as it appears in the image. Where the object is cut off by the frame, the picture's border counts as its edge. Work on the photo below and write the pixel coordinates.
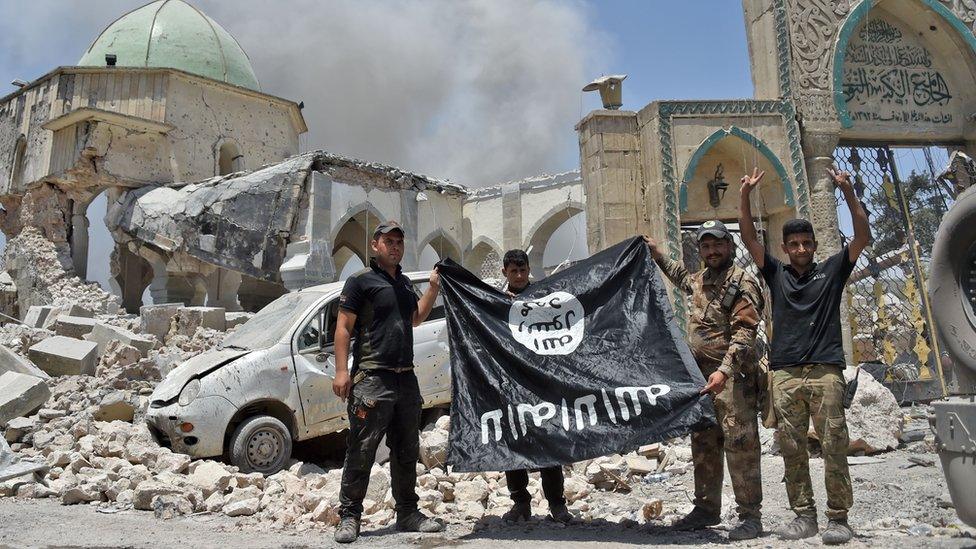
(477, 91)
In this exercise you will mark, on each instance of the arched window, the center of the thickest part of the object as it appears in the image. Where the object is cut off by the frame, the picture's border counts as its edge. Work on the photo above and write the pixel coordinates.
(229, 159)
(17, 166)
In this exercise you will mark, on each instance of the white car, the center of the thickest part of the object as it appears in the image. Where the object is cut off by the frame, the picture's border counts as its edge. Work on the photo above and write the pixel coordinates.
(270, 382)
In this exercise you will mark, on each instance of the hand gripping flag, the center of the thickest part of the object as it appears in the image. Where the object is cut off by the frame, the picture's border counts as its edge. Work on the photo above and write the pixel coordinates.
(584, 363)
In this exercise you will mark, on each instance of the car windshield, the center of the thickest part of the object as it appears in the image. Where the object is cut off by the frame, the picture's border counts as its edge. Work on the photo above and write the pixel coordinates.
(268, 326)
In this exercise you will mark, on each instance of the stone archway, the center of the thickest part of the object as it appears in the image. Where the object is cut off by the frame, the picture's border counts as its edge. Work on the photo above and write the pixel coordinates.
(930, 70)
(481, 249)
(543, 229)
(442, 245)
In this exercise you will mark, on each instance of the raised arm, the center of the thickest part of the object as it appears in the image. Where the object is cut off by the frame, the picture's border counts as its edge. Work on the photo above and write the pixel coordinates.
(674, 270)
(344, 327)
(746, 229)
(862, 229)
(426, 303)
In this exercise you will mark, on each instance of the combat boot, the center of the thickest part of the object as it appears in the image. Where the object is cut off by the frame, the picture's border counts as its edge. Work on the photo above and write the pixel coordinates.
(749, 528)
(521, 510)
(837, 532)
(347, 531)
(697, 519)
(802, 527)
(418, 522)
(560, 513)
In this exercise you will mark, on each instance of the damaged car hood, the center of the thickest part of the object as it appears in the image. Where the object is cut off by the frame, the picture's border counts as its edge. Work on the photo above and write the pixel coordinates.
(198, 366)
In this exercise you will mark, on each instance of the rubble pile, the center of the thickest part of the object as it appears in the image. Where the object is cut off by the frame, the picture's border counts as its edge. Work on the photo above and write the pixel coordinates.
(99, 452)
(42, 276)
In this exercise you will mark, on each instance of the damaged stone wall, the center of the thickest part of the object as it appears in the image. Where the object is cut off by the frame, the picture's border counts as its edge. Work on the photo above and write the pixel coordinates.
(238, 223)
(43, 276)
(21, 115)
(206, 114)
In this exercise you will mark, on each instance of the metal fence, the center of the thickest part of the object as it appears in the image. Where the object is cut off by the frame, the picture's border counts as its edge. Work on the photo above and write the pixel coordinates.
(887, 309)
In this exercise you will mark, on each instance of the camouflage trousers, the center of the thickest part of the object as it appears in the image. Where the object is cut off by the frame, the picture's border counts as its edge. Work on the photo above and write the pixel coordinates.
(813, 391)
(736, 438)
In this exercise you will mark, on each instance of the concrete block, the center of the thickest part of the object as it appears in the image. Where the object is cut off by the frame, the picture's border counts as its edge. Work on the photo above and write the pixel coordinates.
(214, 318)
(103, 334)
(21, 395)
(60, 355)
(74, 326)
(156, 319)
(37, 315)
(12, 362)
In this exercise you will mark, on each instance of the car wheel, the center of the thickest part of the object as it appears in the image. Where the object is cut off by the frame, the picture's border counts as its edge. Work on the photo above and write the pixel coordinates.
(952, 280)
(262, 444)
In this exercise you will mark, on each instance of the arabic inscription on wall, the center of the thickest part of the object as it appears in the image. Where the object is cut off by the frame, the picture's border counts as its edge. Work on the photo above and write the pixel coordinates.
(890, 77)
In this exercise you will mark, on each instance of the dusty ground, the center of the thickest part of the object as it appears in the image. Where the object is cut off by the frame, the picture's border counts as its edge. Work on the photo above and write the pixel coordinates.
(894, 506)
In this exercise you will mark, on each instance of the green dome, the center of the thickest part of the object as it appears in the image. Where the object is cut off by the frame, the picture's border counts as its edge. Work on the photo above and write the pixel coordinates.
(173, 34)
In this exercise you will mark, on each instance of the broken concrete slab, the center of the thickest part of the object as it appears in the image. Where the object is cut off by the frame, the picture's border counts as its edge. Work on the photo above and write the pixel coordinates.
(78, 310)
(234, 320)
(102, 334)
(18, 427)
(188, 319)
(12, 362)
(115, 407)
(74, 326)
(60, 355)
(156, 319)
(21, 395)
(37, 315)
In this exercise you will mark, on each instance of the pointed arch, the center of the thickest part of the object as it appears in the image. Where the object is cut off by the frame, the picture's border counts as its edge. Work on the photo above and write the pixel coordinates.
(854, 19)
(752, 141)
(442, 243)
(478, 252)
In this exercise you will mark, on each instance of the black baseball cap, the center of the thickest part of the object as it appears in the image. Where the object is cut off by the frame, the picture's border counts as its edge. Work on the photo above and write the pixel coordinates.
(389, 226)
(714, 228)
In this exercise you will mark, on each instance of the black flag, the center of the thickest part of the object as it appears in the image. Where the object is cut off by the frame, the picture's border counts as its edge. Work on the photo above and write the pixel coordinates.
(584, 363)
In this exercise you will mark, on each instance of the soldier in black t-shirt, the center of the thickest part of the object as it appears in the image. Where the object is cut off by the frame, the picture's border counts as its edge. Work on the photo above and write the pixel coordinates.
(379, 307)
(807, 358)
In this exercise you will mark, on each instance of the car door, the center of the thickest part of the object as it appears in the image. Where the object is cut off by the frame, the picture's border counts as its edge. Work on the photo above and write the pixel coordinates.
(431, 353)
(313, 352)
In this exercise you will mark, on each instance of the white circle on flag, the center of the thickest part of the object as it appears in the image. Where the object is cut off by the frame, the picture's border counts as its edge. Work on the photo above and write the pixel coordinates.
(550, 325)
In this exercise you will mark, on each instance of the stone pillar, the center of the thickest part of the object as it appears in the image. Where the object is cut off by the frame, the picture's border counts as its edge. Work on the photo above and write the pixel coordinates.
(308, 256)
(131, 276)
(79, 239)
(818, 152)
(170, 287)
(222, 287)
(410, 223)
(512, 214)
(612, 180)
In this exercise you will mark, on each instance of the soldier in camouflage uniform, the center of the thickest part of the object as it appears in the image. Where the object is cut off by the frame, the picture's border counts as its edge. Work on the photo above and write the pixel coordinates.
(807, 358)
(723, 321)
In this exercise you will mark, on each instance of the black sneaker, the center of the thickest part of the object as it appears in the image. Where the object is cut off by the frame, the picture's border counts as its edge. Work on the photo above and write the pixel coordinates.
(418, 522)
(697, 519)
(347, 531)
(837, 532)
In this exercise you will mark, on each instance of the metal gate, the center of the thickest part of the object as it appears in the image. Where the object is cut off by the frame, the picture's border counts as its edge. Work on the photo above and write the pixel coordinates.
(890, 319)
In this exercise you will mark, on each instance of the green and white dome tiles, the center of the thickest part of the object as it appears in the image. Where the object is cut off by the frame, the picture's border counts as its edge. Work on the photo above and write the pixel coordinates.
(173, 34)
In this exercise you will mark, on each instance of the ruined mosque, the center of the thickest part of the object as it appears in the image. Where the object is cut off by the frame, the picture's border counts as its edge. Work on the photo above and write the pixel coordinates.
(211, 200)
